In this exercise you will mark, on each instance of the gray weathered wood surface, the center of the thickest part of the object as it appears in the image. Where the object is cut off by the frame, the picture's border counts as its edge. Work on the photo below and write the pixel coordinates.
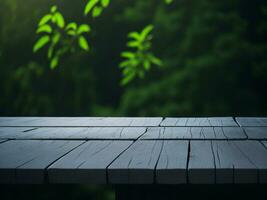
(106, 150)
(25, 161)
(259, 133)
(252, 121)
(205, 133)
(2, 140)
(172, 163)
(201, 166)
(199, 121)
(78, 121)
(87, 163)
(72, 133)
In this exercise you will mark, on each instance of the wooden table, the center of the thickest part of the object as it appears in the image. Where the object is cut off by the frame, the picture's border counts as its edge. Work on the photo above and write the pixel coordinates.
(128, 152)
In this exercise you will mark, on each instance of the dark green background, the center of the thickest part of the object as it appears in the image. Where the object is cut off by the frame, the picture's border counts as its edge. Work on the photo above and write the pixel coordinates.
(214, 54)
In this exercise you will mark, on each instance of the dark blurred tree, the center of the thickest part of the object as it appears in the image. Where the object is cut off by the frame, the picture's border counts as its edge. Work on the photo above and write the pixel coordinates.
(213, 54)
(215, 60)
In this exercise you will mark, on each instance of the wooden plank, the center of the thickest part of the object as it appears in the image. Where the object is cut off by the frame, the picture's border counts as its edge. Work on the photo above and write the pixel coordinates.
(259, 133)
(199, 121)
(232, 132)
(252, 121)
(231, 164)
(256, 153)
(15, 132)
(24, 161)
(79, 121)
(87, 163)
(198, 133)
(57, 133)
(10, 121)
(129, 133)
(82, 133)
(174, 121)
(137, 164)
(201, 166)
(172, 163)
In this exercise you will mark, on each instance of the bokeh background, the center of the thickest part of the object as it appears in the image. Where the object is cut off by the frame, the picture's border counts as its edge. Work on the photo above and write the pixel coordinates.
(214, 55)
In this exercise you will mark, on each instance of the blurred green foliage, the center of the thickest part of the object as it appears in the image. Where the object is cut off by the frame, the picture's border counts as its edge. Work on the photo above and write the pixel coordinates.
(213, 59)
(137, 62)
(95, 7)
(61, 39)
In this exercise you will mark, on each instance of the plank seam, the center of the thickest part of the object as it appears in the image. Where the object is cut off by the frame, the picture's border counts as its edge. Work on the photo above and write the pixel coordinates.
(162, 120)
(46, 178)
(187, 161)
(261, 141)
(234, 118)
(107, 180)
(155, 168)
(244, 132)
(214, 162)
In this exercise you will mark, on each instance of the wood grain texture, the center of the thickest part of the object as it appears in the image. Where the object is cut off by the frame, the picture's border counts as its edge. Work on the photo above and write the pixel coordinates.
(199, 121)
(201, 166)
(56, 133)
(129, 133)
(24, 161)
(252, 121)
(257, 154)
(79, 121)
(198, 133)
(232, 166)
(256, 133)
(87, 163)
(172, 163)
(137, 164)
(2, 140)
(82, 133)
(14, 132)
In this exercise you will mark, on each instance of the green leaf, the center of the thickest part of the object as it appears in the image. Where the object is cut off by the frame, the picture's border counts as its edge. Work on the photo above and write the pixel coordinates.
(71, 32)
(127, 54)
(84, 28)
(133, 44)
(89, 6)
(59, 20)
(134, 35)
(105, 3)
(54, 62)
(45, 19)
(55, 38)
(124, 64)
(155, 60)
(50, 51)
(83, 43)
(128, 78)
(71, 25)
(145, 32)
(44, 29)
(97, 11)
(53, 9)
(41, 42)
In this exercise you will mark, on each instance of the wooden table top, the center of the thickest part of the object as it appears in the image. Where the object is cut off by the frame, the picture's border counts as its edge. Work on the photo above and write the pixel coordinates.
(125, 150)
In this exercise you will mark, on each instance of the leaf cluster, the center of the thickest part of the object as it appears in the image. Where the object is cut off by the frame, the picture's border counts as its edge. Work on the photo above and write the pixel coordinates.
(59, 38)
(140, 60)
(95, 7)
